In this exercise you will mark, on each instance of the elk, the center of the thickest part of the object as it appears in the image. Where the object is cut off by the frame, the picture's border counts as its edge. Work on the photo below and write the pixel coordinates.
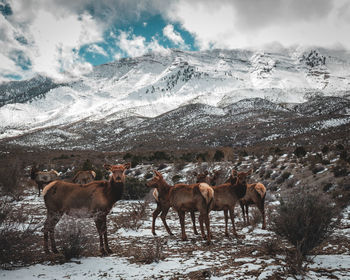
(42, 178)
(183, 198)
(255, 194)
(84, 177)
(205, 178)
(162, 209)
(94, 200)
(228, 194)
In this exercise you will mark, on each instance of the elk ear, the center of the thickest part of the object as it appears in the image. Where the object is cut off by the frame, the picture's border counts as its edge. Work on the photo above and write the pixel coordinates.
(158, 173)
(127, 165)
(107, 166)
(93, 173)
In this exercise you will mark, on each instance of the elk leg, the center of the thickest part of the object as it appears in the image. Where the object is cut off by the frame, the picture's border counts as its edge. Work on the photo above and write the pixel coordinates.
(193, 217)
(246, 210)
(40, 186)
(232, 216)
(104, 229)
(155, 215)
(226, 222)
(53, 222)
(163, 216)
(182, 222)
(201, 225)
(98, 223)
(46, 233)
(207, 225)
(261, 207)
(242, 207)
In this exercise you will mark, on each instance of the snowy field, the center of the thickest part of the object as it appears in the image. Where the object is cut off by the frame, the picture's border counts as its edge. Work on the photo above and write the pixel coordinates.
(140, 255)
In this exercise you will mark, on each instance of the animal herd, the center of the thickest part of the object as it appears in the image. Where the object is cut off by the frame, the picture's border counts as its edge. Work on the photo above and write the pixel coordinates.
(84, 197)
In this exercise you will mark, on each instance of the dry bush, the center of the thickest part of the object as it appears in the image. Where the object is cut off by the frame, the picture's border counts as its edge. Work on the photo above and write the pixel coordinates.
(255, 217)
(74, 240)
(272, 247)
(17, 235)
(305, 220)
(151, 254)
(132, 218)
(10, 175)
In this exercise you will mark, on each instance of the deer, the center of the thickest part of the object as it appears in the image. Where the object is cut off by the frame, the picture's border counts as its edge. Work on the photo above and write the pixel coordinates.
(42, 178)
(84, 177)
(94, 200)
(227, 195)
(206, 178)
(183, 198)
(255, 194)
(163, 209)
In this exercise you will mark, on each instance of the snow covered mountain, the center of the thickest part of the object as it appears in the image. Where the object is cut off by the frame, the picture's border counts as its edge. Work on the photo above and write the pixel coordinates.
(131, 91)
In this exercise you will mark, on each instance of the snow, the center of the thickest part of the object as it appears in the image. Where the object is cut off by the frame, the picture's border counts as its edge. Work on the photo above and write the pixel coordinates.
(151, 85)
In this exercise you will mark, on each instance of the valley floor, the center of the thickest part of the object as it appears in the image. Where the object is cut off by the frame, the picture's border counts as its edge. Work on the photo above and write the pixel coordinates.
(140, 255)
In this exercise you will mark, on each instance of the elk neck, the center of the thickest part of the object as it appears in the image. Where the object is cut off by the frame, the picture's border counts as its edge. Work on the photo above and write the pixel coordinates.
(115, 190)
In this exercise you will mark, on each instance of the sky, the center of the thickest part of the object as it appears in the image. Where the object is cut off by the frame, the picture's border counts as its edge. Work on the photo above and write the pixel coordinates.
(64, 39)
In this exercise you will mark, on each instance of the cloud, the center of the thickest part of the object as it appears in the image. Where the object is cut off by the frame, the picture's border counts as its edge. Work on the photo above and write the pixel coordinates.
(254, 23)
(96, 49)
(135, 46)
(48, 37)
(175, 37)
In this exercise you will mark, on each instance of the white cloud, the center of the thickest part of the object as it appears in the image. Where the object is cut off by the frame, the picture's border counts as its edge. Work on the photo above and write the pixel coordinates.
(241, 24)
(172, 35)
(53, 37)
(96, 49)
(135, 46)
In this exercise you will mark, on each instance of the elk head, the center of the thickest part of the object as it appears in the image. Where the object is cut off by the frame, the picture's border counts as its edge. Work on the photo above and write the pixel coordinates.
(118, 171)
(156, 181)
(201, 177)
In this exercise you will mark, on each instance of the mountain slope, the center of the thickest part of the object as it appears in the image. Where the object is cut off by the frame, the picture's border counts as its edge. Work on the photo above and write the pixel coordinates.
(146, 87)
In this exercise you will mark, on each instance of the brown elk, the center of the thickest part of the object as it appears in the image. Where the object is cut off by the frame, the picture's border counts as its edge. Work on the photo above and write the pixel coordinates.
(162, 209)
(228, 194)
(256, 194)
(206, 178)
(94, 199)
(84, 177)
(42, 178)
(183, 198)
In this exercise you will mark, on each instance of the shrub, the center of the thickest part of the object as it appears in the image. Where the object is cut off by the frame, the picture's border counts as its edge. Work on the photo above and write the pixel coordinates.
(268, 173)
(10, 179)
(162, 166)
(148, 175)
(219, 155)
(339, 147)
(340, 171)
(132, 218)
(327, 187)
(325, 149)
(305, 220)
(317, 168)
(176, 178)
(188, 157)
(153, 253)
(74, 241)
(300, 152)
(202, 156)
(17, 235)
(135, 188)
(159, 155)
